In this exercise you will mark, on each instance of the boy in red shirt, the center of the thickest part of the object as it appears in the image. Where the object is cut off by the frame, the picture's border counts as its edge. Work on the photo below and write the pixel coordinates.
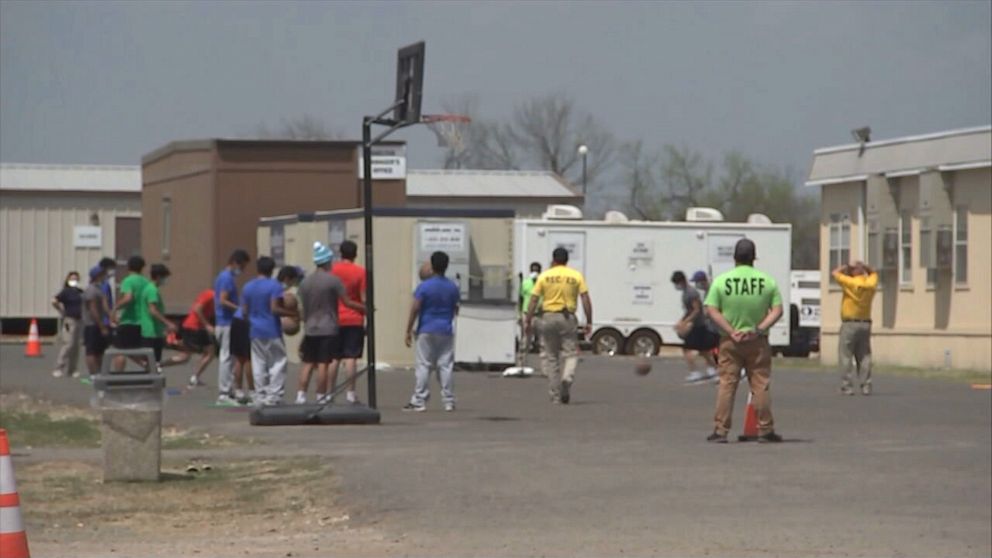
(198, 335)
(352, 323)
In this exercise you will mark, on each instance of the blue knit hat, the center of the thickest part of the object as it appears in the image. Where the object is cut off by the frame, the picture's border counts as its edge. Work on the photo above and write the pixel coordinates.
(321, 254)
(95, 271)
(699, 276)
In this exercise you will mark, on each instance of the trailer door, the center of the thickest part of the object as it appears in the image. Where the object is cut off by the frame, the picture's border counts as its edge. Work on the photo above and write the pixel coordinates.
(720, 250)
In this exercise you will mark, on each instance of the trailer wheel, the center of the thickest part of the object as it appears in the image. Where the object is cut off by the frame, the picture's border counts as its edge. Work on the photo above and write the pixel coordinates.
(607, 342)
(644, 342)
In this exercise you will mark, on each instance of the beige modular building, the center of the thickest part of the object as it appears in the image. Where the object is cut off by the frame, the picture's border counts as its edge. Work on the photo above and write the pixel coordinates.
(479, 242)
(918, 209)
(527, 193)
(60, 218)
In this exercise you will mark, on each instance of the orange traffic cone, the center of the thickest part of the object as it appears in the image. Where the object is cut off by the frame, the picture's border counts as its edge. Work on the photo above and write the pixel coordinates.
(33, 348)
(750, 423)
(13, 539)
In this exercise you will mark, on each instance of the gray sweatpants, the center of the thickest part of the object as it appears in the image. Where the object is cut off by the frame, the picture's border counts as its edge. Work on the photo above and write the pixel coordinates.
(225, 362)
(268, 366)
(434, 351)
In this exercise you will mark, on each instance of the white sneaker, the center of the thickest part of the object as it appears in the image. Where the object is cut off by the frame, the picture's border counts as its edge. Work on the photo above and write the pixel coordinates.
(449, 407)
(711, 374)
(225, 400)
(56, 373)
(301, 398)
(75, 375)
(325, 399)
(695, 376)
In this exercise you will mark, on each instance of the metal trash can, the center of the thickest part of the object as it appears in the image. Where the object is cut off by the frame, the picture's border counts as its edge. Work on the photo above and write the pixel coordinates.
(130, 404)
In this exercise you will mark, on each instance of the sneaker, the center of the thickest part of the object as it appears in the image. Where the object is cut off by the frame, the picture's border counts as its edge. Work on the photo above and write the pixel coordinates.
(56, 373)
(247, 399)
(711, 374)
(75, 375)
(769, 438)
(865, 389)
(414, 408)
(846, 391)
(239, 394)
(325, 399)
(566, 392)
(694, 377)
(225, 400)
(449, 407)
(158, 368)
(301, 398)
(86, 381)
(717, 438)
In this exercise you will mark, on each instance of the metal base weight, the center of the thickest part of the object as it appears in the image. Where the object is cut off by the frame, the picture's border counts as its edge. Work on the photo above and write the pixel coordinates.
(293, 415)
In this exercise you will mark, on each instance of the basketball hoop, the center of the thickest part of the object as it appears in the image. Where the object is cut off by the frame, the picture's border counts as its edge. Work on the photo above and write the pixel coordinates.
(448, 129)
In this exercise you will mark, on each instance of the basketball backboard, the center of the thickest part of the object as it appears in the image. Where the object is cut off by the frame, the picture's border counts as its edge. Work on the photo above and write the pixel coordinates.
(409, 83)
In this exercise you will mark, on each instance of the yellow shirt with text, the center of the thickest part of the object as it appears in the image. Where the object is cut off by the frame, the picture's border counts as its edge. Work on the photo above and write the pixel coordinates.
(859, 290)
(559, 288)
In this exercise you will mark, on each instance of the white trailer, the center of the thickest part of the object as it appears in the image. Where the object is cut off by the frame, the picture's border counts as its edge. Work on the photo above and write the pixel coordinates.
(804, 313)
(628, 266)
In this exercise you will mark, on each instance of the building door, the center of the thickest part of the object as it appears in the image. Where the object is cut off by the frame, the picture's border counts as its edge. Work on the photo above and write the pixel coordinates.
(127, 241)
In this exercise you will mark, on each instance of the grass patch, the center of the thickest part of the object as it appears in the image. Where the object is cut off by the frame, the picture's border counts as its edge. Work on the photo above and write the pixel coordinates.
(955, 375)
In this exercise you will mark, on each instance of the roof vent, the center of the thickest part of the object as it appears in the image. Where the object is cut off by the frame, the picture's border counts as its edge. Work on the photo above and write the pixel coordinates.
(567, 212)
(759, 219)
(703, 214)
(615, 217)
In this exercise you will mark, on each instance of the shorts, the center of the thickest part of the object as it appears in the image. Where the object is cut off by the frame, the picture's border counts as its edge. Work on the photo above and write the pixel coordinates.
(198, 340)
(95, 341)
(128, 336)
(240, 339)
(157, 344)
(320, 349)
(700, 338)
(352, 341)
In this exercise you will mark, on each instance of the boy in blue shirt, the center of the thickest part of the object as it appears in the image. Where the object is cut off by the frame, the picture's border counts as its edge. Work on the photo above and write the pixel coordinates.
(262, 306)
(435, 303)
(225, 305)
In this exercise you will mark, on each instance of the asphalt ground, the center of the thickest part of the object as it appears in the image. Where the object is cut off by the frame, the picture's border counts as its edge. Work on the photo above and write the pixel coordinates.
(624, 469)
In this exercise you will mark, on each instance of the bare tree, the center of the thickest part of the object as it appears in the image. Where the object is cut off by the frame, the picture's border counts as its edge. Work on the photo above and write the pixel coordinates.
(485, 144)
(305, 127)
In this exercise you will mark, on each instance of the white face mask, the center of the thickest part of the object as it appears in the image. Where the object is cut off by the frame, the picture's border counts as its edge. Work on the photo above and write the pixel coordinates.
(73, 283)
(534, 274)
(110, 274)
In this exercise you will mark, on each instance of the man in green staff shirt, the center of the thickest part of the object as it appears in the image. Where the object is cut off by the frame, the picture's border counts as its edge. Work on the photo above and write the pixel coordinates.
(744, 303)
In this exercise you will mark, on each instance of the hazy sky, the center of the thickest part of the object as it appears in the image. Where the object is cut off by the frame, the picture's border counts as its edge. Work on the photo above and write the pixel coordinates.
(85, 82)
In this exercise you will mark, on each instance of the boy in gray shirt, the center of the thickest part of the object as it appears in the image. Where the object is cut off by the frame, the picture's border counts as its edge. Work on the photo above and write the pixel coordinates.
(96, 309)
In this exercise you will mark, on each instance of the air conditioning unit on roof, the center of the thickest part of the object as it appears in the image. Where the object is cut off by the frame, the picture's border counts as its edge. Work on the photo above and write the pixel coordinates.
(703, 214)
(567, 212)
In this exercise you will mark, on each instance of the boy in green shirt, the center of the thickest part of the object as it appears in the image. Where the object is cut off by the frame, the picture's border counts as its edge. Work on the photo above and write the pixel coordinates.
(128, 334)
(151, 314)
(744, 303)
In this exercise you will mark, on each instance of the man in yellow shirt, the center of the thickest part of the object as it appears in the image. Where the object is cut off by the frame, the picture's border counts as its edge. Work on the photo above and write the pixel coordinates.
(558, 289)
(859, 283)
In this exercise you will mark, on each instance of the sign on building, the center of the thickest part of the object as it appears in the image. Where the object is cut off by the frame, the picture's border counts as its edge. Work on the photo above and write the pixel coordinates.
(85, 236)
(388, 162)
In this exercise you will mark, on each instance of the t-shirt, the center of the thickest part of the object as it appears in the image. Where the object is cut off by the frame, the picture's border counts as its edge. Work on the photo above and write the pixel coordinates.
(353, 277)
(438, 298)
(319, 294)
(526, 290)
(205, 300)
(744, 295)
(560, 288)
(72, 301)
(93, 293)
(859, 291)
(225, 284)
(258, 296)
(133, 284)
(150, 326)
(690, 294)
(108, 293)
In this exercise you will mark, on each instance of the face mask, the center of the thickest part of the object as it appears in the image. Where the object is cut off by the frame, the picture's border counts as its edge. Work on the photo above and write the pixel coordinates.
(162, 282)
(678, 288)
(73, 283)
(534, 274)
(110, 274)
(236, 271)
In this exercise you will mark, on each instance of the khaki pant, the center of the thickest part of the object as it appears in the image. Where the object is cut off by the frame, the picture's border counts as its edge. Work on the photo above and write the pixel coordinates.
(559, 341)
(756, 358)
(71, 336)
(853, 350)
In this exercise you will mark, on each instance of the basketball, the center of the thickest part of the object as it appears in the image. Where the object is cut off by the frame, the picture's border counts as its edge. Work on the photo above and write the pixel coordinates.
(642, 367)
(290, 325)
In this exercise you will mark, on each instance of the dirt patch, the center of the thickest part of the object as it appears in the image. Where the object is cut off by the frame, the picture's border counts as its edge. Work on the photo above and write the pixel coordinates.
(270, 507)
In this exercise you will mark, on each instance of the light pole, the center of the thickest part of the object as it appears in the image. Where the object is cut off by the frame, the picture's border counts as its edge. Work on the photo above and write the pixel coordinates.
(584, 152)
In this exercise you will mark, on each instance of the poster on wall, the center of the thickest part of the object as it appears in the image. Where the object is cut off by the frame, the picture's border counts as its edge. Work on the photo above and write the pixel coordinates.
(643, 294)
(444, 237)
(87, 237)
(277, 241)
(388, 162)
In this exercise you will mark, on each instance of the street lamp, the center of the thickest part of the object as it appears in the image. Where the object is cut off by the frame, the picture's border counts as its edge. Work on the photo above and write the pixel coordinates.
(584, 152)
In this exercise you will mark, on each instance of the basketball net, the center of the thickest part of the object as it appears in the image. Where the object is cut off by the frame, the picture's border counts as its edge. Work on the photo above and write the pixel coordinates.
(448, 128)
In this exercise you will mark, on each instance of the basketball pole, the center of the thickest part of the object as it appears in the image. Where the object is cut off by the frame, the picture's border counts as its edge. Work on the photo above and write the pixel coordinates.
(367, 143)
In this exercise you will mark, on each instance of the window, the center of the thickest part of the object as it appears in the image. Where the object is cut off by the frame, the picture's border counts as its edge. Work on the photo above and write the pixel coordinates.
(961, 246)
(840, 240)
(905, 248)
(166, 227)
(927, 260)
